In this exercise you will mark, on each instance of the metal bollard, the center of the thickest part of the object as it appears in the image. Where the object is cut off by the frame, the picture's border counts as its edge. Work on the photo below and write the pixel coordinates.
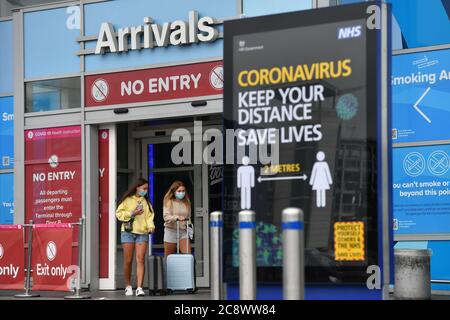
(293, 254)
(80, 255)
(27, 293)
(412, 274)
(247, 255)
(216, 227)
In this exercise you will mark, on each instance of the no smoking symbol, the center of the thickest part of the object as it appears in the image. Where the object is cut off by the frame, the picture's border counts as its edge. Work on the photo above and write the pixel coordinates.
(51, 251)
(2, 251)
(216, 77)
(414, 164)
(438, 162)
(100, 90)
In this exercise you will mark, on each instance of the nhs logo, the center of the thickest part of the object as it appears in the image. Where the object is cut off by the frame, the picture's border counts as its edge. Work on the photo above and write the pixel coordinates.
(349, 32)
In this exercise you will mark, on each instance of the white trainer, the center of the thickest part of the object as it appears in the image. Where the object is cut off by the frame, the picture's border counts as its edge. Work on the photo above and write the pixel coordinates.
(129, 291)
(140, 292)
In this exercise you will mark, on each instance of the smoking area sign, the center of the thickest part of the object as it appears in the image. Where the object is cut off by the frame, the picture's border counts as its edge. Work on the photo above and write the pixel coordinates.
(420, 95)
(305, 120)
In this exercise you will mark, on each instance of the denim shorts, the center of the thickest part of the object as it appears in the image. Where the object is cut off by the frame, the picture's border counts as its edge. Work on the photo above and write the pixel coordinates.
(128, 237)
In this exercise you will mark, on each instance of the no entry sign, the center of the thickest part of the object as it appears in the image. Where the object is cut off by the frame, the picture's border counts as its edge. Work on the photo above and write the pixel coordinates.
(52, 256)
(53, 174)
(11, 257)
(157, 84)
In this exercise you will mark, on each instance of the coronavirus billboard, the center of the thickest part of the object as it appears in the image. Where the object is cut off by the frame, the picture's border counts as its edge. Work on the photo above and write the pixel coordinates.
(303, 98)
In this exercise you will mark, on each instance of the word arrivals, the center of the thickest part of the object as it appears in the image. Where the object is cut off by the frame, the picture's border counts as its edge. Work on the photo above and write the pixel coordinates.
(10, 270)
(152, 35)
(46, 271)
(306, 133)
(185, 310)
(157, 85)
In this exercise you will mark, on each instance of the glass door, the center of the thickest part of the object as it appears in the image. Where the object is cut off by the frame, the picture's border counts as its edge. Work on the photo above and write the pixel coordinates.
(161, 172)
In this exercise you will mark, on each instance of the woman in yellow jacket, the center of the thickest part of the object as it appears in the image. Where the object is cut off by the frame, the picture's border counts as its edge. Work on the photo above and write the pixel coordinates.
(136, 209)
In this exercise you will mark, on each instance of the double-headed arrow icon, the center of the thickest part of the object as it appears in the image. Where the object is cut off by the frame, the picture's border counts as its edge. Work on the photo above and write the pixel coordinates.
(302, 177)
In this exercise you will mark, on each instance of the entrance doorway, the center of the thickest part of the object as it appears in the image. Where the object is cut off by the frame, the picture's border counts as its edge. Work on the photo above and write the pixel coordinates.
(161, 172)
(151, 150)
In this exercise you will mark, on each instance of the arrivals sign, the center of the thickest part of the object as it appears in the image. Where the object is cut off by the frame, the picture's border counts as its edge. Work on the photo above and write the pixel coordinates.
(12, 257)
(302, 96)
(167, 83)
(52, 257)
(53, 175)
(151, 34)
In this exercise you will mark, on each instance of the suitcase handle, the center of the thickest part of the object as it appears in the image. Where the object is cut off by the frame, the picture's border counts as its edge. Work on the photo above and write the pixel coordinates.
(178, 237)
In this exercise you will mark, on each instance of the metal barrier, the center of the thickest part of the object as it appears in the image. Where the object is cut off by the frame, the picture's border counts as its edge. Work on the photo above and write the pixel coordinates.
(27, 293)
(293, 254)
(77, 294)
(247, 255)
(216, 227)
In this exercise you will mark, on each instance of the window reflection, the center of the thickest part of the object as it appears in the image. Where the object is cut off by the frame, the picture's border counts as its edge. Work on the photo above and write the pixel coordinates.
(54, 94)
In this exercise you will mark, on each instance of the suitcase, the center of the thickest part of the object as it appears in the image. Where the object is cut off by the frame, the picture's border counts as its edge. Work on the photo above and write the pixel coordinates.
(156, 274)
(180, 270)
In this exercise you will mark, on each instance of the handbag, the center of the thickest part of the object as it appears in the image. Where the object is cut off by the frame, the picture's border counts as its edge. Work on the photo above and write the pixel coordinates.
(128, 225)
(190, 230)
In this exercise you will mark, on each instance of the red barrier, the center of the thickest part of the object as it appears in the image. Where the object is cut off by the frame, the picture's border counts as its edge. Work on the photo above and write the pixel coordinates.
(12, 259)
(52, 256)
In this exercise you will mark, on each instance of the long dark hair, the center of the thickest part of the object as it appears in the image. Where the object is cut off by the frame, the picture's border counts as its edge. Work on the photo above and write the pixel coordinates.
(132, 191)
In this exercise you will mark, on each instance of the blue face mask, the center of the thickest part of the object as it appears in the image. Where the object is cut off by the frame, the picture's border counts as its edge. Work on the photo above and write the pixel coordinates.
(142, 193)
(179, 195)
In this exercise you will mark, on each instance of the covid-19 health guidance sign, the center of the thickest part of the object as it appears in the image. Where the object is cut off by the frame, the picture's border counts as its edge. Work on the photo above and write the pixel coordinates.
(302, 101)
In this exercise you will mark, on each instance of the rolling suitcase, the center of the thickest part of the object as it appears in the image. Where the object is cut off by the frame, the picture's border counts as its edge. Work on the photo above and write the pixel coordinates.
(156, 274)
(180, 269)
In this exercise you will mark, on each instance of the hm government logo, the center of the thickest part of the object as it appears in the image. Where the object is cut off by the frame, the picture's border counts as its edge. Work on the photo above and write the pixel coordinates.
(349, 32)
(2, 251)
(51, 251)
(53, 161)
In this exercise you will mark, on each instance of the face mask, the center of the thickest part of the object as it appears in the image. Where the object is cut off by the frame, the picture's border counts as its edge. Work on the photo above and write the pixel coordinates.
(179, 195)
(142, 193)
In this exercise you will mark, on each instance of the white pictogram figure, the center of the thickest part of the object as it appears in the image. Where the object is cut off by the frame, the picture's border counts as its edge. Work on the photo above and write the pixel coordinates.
(246, 181)
(320, 179)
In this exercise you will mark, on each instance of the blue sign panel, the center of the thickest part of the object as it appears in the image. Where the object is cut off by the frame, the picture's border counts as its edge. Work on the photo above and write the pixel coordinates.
(6, 198)
(6, 133)
(50, 44)
(161, 12)
(6, 57)
(421, 188)
(254, 8)
(420, 95)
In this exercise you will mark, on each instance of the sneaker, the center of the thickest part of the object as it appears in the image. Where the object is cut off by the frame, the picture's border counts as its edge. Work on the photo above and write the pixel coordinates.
(129, 291)
(140, 292)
